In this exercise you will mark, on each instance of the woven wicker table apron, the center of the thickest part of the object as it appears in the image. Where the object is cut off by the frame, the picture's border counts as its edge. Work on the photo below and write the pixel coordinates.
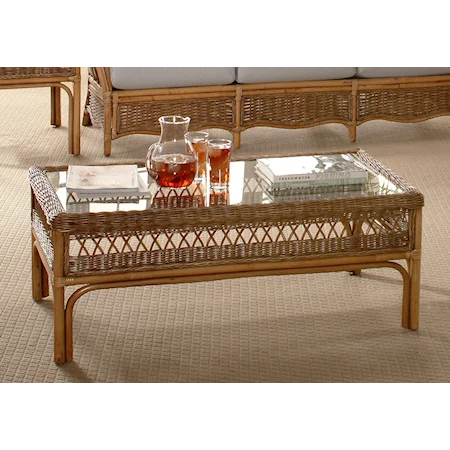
(165, 245)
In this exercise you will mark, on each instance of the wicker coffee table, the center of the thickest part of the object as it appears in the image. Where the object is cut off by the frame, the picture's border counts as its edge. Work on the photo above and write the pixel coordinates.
(166, 236)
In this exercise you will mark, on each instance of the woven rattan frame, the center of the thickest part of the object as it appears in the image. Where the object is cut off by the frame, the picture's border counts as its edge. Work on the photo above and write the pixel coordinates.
(56, 78)
(137, 112)
(170, 245)
(284, 105)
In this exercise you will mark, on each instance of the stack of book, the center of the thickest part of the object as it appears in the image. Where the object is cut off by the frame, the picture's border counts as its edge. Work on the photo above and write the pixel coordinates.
(301, 176)
(104, 181)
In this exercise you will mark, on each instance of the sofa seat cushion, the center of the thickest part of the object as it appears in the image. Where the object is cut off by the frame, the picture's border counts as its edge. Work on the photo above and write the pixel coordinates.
(285, 74)
(127, 78)
(383, 72)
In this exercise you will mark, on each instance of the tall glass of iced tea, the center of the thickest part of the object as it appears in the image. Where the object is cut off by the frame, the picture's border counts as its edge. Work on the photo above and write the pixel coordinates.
(199, 140)
(219, 155)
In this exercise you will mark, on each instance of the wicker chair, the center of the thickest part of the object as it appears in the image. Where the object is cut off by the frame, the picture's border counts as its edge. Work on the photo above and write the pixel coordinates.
(54, 78)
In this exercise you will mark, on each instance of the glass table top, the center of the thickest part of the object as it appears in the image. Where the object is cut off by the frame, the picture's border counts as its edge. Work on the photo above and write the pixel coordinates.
(246, 187)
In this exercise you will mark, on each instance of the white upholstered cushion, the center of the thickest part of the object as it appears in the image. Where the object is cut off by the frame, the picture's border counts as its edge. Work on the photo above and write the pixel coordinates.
(170, 77)
(284, 74)
(380, 72)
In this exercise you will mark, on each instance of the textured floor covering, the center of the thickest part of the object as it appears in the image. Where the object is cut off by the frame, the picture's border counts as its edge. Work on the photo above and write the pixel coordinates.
(305, 328)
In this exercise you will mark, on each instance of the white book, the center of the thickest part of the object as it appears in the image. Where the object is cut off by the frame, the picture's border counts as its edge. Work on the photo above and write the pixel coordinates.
(111, 195)
(297, 185)
(119, 179)
(314, 169)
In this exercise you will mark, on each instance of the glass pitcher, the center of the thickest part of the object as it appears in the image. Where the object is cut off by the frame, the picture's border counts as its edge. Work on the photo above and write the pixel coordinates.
(172, 162)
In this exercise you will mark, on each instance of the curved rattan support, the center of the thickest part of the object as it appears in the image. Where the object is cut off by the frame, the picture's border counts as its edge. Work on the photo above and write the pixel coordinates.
(224, 275)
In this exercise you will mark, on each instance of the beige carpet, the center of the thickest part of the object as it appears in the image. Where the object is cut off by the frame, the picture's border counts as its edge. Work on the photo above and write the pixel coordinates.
(305, 328)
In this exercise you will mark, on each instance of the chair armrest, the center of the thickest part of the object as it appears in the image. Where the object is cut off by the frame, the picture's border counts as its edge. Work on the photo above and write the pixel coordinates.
(103, 76)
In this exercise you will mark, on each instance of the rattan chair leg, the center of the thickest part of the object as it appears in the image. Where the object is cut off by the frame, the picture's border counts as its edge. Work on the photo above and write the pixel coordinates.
(107, 128)
(39, 286)
(86, 116)
(87, 122)
(237, 139)
(55, 98)
(352, 133)
(76, 116)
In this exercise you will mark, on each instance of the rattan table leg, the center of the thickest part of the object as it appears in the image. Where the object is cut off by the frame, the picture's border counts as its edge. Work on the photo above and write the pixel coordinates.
(60, 251)
(414, 271)
(353, 228)
(415, 294)
(59, 325)
(39, 286)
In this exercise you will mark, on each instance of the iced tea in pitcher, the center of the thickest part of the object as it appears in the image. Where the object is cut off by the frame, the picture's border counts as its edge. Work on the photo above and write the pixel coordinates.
(172, 162)
(175, 171)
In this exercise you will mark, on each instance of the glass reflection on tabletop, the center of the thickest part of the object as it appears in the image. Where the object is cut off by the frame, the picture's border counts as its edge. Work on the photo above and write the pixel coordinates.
(193, 196)
(245, 188)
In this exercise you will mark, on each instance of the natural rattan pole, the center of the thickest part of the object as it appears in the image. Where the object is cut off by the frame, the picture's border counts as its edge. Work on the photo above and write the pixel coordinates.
(107, 135)
(55, 94)
(76, 112)
(44, 262)
(58, 299)
(229, 268)
(237, 130)
(38, 274)
(433, 79)
(352, 128)
(415, 272)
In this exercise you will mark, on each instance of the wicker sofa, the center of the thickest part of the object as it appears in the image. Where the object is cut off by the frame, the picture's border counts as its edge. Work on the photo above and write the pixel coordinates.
(129, 100)
(56, 78)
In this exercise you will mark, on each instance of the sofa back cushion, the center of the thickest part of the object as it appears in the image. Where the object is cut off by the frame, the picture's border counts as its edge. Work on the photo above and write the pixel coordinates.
(382, 72)
(127, 78)
(286, 74)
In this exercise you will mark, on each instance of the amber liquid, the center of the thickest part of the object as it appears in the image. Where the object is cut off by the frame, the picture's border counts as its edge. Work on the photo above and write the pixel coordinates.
(201, 149)
(219, 160)
(175, 171)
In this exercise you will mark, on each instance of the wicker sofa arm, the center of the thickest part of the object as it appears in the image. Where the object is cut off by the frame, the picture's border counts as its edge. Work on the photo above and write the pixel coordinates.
(103, 77)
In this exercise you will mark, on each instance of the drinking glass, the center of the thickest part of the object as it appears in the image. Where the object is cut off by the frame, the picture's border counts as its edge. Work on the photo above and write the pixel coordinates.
(219, 154)
(199, 141)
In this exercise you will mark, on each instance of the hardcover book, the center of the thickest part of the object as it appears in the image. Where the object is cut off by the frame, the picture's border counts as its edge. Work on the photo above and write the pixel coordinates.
(310, 191)
(312, 170)
(117, 179)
